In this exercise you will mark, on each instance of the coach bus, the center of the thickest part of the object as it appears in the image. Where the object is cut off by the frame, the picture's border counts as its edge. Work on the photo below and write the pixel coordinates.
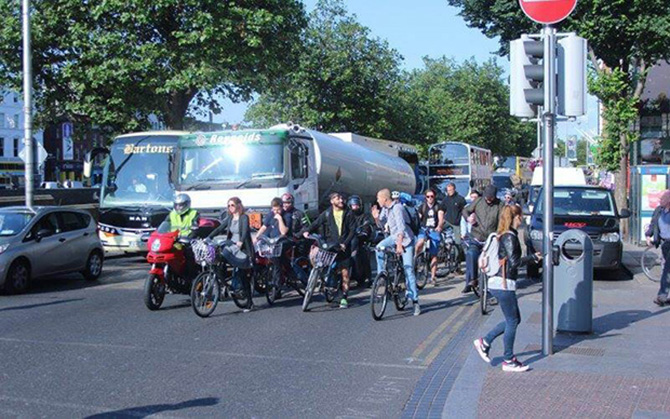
(468, 167)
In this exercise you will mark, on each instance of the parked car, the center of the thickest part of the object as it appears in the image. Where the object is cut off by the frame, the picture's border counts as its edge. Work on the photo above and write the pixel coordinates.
(46, 241)
(51, 185)
(588, 208)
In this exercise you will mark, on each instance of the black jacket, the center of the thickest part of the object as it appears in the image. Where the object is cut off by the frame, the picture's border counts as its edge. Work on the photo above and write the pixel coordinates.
(296, 221)
(509, 248)
(245, 233)
(326, 227)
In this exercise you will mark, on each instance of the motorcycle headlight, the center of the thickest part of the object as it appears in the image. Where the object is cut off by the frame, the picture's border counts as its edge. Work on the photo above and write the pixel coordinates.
(155, 245)
(536, 235)
(610, 237)
(3, 247)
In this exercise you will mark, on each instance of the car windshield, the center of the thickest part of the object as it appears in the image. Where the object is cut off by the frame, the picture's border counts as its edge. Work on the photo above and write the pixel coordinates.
(12, 223)
(580, 202)
(502, 182)
(233, 163)
(137, 172)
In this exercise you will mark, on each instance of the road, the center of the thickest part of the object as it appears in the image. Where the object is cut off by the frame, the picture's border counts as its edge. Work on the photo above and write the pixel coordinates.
(76, 349)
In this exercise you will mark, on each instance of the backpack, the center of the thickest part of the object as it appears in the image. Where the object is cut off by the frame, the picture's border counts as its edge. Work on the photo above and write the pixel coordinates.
(414, 223)
(488, 259)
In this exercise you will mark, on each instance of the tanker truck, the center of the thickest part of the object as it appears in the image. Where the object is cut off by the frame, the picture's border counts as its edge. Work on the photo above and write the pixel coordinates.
(258, 165)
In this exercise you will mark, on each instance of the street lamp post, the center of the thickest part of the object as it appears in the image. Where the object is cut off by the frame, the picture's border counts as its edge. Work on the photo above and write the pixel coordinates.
(27, 105)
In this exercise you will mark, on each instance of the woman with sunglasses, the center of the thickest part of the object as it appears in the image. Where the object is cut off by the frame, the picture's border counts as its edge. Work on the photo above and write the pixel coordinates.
(240, 250)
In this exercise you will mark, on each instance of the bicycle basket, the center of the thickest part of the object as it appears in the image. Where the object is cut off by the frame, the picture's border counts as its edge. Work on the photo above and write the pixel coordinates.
(268, 250)
(322, 257)
(203, 252)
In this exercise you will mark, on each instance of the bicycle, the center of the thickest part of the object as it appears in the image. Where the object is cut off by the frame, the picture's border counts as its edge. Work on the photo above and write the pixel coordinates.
(323, 272)
(389, 283)
(280, 276)
(652, 262)
(213, 281)
(448, 252)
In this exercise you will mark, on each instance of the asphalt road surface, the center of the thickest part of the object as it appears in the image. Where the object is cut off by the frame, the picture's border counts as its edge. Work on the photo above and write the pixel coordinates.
(71, 348)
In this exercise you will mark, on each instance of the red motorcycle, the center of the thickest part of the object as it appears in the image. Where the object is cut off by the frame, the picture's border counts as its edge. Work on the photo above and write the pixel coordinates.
(169, 271)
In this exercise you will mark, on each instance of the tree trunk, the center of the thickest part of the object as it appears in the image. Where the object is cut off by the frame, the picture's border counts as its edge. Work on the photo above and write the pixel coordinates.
(621, 184)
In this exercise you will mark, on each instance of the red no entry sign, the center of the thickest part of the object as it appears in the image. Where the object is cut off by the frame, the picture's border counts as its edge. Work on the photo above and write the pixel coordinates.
(547, 11)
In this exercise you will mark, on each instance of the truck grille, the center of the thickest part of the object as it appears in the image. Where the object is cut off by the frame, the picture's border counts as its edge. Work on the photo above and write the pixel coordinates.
(593, 236)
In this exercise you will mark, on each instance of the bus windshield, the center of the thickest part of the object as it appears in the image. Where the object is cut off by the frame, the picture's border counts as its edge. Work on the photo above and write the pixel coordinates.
(232, 162)
(448, 154)
(462, 185)
(137, 172)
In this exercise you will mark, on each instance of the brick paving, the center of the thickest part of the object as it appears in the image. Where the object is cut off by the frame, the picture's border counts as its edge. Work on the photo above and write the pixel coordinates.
(543, 394)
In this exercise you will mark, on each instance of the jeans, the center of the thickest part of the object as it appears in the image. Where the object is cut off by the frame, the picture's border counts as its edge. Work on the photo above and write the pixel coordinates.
(474, 249)
(510, 307)
(665, 248)
(407, 263)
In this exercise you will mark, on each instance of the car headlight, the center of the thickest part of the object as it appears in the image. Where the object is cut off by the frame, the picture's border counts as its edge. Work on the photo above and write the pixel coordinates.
(610, 237)
(536, 235)
(3, 247)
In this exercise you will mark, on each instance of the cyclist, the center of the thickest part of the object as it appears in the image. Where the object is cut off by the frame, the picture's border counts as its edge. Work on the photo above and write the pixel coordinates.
(277, 223)
(452, 206)
(432, 219)
(363, 225)
(394, 218)
(296, 216)
(336, 225)
(486, 212)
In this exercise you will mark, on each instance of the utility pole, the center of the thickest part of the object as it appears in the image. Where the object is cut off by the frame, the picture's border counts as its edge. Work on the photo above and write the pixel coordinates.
(28, 105)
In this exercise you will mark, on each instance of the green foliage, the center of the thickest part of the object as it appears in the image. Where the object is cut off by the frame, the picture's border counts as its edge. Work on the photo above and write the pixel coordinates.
(467, 102)
(342, 79)
(114, 62)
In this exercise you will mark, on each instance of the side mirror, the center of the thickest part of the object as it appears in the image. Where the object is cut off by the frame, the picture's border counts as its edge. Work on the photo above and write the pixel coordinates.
(624, 213)
(43, 233)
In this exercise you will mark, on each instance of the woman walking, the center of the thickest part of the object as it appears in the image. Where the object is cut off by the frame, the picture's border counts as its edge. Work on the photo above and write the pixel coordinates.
(239, 252)
(502, 286)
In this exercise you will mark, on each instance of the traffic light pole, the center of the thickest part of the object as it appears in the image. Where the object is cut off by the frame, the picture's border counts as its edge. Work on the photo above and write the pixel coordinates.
(549, 120)
(28, 105)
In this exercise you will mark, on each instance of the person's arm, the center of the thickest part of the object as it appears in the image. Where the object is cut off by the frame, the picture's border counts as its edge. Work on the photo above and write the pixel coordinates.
(399, 216)
(440, 220)
(469, 209)
(315, 225)
(245, 229)
(283, 228)
(351, 229)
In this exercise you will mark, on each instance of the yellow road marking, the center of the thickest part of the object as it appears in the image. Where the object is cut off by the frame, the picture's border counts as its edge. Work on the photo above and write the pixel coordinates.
(424, 345)
(447, 338)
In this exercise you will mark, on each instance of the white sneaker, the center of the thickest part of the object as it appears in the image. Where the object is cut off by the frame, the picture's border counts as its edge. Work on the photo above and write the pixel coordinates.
(482, 350)
(514, 366)
(417, 309)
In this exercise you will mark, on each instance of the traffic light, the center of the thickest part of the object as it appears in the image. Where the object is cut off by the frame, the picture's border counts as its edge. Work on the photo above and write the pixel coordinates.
(526, 76)
(571, 89)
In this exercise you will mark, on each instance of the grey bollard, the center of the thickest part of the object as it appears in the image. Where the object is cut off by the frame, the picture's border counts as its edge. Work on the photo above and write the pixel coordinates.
(573, 283)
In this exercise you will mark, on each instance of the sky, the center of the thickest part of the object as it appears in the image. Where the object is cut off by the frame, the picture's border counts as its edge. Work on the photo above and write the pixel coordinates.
(425, 28)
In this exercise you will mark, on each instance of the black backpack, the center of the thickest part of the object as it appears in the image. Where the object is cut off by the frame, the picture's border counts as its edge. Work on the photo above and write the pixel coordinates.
(414, 223)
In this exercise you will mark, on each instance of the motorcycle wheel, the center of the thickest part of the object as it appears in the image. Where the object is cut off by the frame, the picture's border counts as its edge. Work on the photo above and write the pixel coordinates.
(205, 294)
(154, 292)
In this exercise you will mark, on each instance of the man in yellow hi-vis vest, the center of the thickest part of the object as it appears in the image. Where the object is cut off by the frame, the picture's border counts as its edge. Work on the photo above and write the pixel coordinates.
(183, 218)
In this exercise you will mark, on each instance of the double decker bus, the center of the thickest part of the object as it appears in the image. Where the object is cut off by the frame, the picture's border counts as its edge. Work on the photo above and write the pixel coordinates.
(468, 167)
(136, 193)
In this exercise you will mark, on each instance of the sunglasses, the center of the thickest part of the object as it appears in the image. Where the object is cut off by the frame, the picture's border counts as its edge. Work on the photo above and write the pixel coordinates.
(231, 205)
(430, 196)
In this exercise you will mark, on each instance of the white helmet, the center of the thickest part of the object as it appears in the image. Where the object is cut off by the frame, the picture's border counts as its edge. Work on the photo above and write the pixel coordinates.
(395, 195)
(182, 203)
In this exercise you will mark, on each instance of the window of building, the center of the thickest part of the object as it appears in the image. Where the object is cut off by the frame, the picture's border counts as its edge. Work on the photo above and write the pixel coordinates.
(2, 120)
(2, 147)
(16, 147)
(16, 121)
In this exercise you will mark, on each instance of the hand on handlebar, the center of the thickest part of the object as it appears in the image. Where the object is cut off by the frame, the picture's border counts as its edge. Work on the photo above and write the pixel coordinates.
(399, 249)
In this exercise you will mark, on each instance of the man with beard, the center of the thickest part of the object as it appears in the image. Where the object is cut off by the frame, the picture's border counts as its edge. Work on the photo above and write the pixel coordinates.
(364, 228)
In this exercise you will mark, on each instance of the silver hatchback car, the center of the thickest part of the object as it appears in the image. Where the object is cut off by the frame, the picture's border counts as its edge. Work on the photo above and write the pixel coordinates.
(46, 241)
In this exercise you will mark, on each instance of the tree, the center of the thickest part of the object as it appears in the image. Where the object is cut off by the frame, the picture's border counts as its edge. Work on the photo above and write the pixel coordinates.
(112, 63)
(342, 80)
(467, 102)
(625, 37)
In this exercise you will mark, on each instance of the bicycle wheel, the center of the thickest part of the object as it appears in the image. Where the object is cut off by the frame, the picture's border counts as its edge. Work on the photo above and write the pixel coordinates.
(272, 287)
(311, 286)
(261, 274)
(400, 293)
(297, 283)
(205, 294)
(240, 296)
(379, 296)
(652, 263)
(452, 259)
(422, 269)
(483, 293)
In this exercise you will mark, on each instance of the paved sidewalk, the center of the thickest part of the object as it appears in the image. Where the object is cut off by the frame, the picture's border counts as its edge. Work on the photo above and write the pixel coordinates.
(620, 370)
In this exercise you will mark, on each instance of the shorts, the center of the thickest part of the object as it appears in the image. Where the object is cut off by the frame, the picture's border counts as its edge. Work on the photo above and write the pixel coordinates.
(435, 240)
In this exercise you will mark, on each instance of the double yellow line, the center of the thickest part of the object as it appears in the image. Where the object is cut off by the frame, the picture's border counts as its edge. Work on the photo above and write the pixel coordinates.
(456, 320)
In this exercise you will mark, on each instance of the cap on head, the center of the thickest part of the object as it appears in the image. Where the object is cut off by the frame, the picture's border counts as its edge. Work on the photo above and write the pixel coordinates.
(490, 192)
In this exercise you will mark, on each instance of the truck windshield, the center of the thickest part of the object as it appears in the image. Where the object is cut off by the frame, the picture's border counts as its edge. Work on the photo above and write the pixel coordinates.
(580, 202)
(137, 172)
(233, 163)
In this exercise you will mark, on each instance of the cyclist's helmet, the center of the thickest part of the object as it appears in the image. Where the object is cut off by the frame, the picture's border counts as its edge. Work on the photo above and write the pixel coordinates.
(182, 203)
(287, 198)
(354, 200)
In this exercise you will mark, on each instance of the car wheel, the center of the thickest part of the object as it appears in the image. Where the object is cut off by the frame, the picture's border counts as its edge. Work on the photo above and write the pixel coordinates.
(18, 278)
(93, 266)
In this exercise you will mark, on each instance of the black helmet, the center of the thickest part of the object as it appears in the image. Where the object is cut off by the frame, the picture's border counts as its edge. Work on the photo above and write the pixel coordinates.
(182, 203)
(354, 200)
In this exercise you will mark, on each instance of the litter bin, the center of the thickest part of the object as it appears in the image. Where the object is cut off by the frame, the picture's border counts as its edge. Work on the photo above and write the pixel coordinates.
(573, 282)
